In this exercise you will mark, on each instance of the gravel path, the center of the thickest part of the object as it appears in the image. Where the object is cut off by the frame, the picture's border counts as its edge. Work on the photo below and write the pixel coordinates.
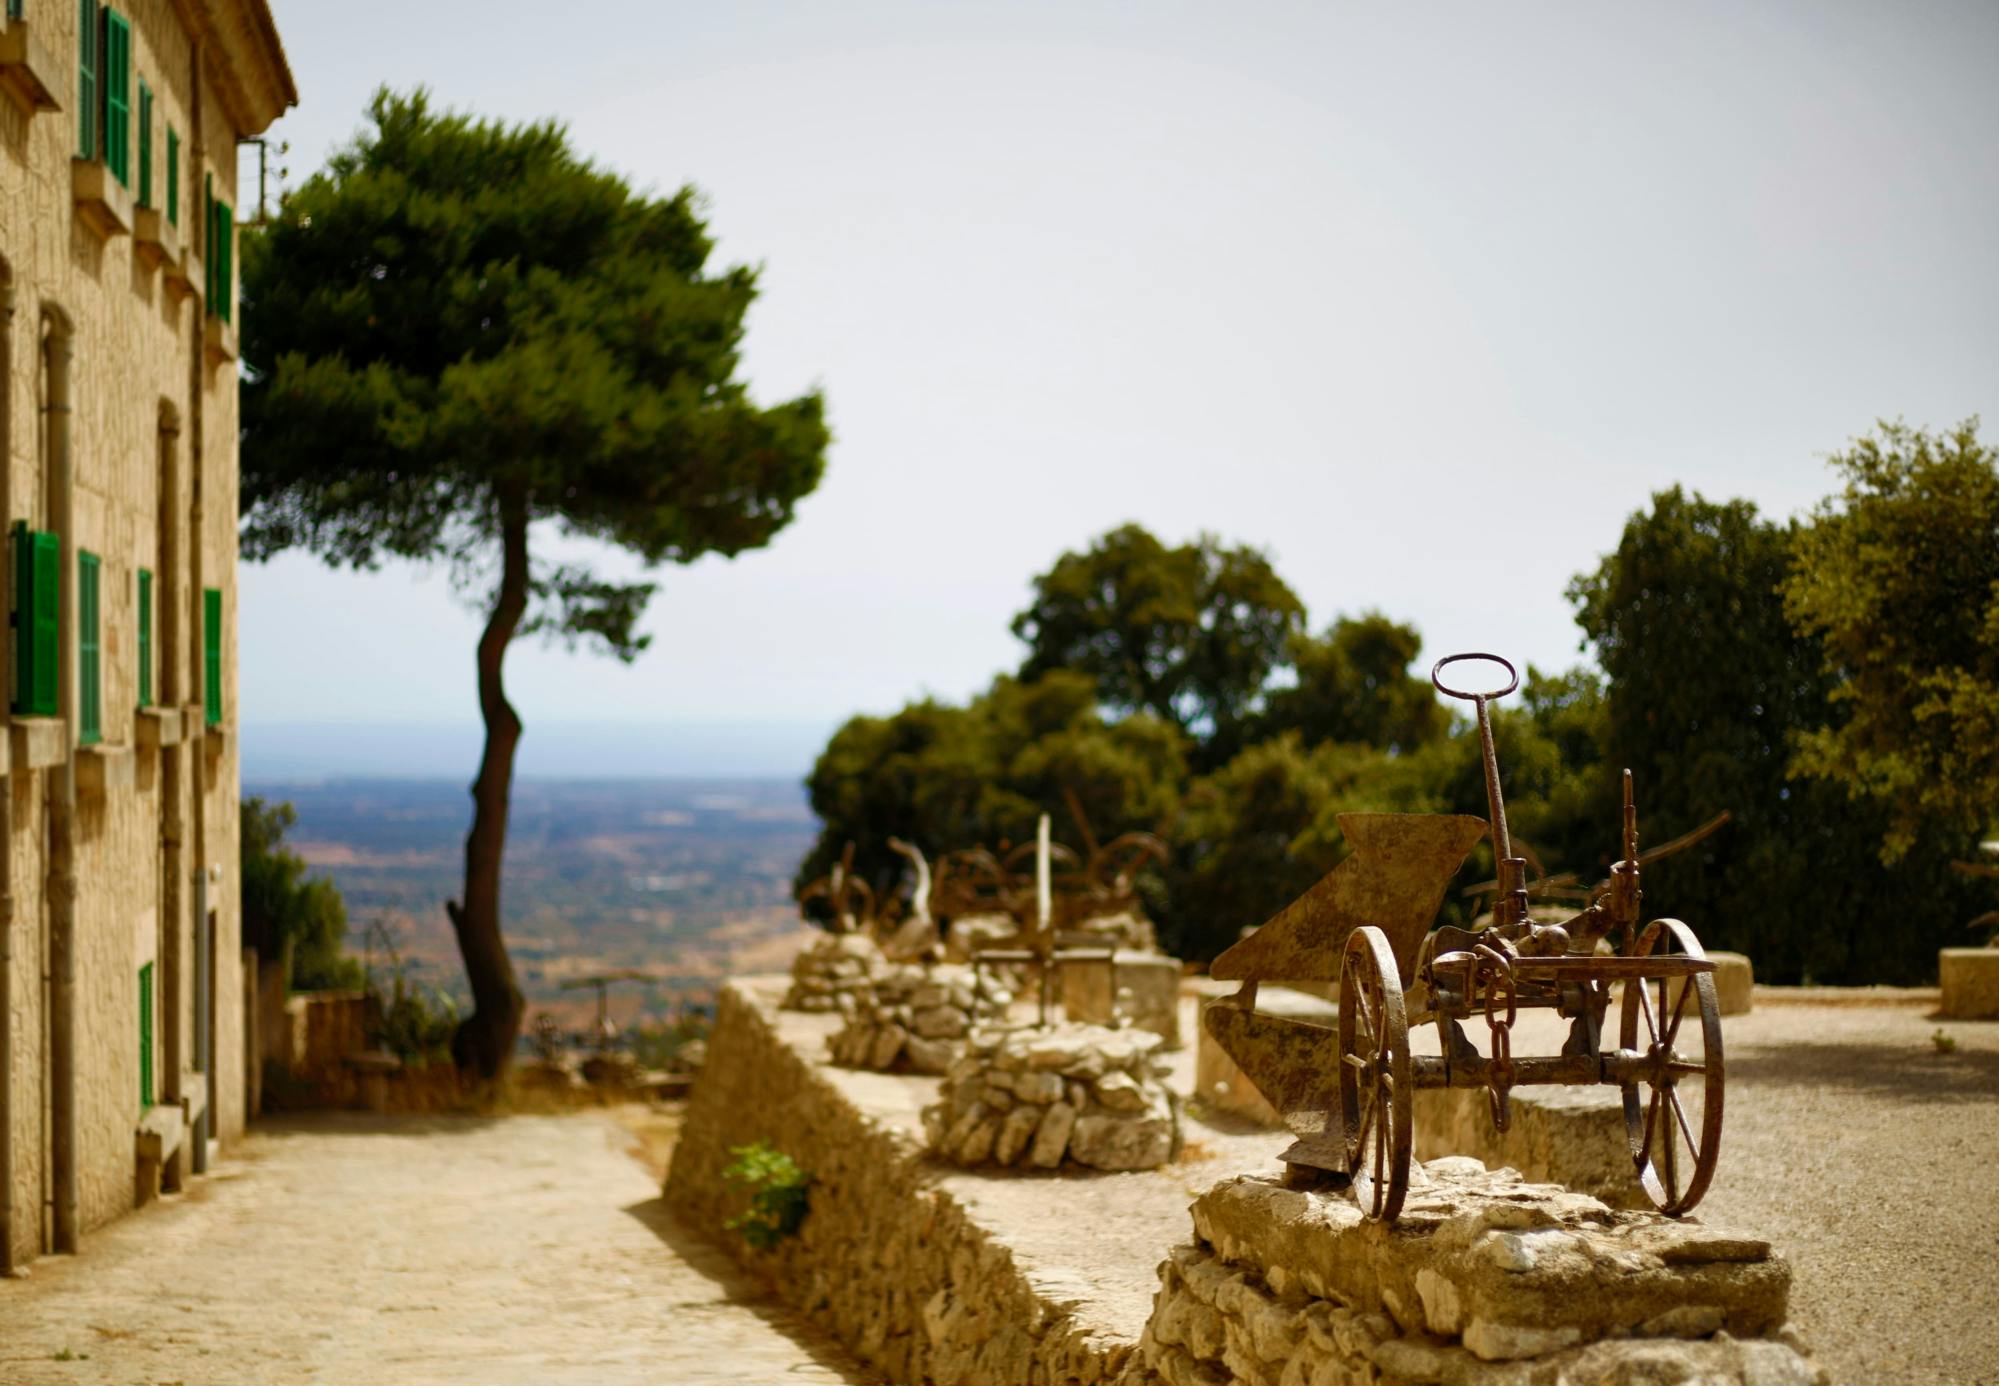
(1867, 1156)
(408, 1250)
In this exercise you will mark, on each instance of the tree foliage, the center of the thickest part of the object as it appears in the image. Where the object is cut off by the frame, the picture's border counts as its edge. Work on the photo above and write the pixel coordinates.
(459, 324)
(285, 910)
(1898, 578)
(1354, 684)
(1707, 682)
(1188, 634)
(465, 341)
(948, 777)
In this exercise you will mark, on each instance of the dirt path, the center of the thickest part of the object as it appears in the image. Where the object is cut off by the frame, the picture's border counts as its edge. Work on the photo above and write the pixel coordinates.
(408, 1250)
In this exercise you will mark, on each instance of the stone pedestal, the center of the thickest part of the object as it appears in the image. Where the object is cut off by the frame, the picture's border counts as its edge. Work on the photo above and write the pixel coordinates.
(1484, 1279)
(913, 1020)
(1146, 990)
(1970, 982)
(1219, 1082)
(835, 974)
(1035, 1098)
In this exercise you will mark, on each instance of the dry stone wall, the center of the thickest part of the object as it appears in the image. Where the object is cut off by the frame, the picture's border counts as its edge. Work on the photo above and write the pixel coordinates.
(1486, 1279)
(915, 1019)
(1033, 1098)
(892, 1265)
(835, 974)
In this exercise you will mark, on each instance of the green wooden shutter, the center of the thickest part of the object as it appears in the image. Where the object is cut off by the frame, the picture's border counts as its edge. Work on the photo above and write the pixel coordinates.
(145, 144)
(32, 612)
(90, 651)
(86, 79)
(173, 176)
(225, 255)
(145, 638)
(146, 1088)
(117, 78)
(211, 653)
(47, 623)
(20, 621)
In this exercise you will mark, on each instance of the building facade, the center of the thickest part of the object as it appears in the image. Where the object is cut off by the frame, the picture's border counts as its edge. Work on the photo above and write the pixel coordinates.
(122, 980)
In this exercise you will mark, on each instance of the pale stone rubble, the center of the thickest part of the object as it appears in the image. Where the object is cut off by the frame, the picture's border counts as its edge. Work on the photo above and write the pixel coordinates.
(834, 973)
(1032, 1098)
(914, 1019)
(1484, 1279)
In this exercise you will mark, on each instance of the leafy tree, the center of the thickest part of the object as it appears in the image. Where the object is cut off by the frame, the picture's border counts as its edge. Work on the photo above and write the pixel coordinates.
(1354, 685)
(286, 911)
(950, 777)
(1188, 634)
(1708, 681)
(1898, 577)
(465, 340)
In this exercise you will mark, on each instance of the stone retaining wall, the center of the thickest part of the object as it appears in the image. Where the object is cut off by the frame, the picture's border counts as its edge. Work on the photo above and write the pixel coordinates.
(888, 1263)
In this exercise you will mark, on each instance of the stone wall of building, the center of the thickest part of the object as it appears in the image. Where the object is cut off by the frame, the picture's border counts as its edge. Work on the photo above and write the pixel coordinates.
(153, 455)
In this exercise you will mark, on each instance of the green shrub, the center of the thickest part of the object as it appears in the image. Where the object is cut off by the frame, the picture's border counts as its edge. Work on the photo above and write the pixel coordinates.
(779, 1192)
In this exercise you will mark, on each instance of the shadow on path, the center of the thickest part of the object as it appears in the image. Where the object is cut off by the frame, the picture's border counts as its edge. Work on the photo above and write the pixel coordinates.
(1875, 1070)
(735, 1287)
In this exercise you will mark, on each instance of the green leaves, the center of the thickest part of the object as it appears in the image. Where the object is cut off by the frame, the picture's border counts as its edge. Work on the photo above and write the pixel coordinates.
(284, 909)
(456, 309)
(1898, 577)
(1188, 634)
(779, 1194)
(1710, 687)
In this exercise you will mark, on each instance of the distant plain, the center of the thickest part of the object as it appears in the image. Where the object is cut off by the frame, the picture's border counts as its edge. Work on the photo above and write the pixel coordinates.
(685, 879)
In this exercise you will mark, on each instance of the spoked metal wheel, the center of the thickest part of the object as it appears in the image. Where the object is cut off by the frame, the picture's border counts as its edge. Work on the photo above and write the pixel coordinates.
(1375, 1091)
(1672, 1107)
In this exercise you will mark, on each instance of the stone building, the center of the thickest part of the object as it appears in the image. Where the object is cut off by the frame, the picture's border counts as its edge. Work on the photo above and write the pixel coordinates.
(123, 1054)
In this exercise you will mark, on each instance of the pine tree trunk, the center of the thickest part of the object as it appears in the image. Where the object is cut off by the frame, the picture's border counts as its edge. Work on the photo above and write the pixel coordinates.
(484, 1042)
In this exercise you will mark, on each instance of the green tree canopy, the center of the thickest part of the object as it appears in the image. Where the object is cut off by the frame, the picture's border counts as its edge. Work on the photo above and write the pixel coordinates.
(285, 910)
(951, 777)
(1898, 578)
(1354, 684)
(1707, 681)
(1188, 634)
(466, 340)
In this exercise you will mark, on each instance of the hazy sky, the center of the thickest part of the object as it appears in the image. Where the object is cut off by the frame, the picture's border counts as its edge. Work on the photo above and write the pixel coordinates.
(1422, 300)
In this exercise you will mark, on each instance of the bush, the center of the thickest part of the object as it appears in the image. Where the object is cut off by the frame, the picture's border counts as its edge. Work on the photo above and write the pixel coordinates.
(779, 1193)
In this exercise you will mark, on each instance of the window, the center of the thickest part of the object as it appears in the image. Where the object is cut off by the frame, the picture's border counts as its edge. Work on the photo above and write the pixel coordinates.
(90, 651)
(32, 614)
(145, 637)
(86, 79)
(145, 189)
(211, 654)
(221, 257)
(173, 176)
(145, 1037)
(117, 78)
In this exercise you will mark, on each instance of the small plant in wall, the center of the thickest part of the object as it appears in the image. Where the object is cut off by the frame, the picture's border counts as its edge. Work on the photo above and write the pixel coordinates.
(778, 1190)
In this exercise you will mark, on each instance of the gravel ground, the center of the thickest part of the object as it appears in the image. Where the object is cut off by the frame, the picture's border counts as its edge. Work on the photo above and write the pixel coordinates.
(1865, 1155)
(408, 1250)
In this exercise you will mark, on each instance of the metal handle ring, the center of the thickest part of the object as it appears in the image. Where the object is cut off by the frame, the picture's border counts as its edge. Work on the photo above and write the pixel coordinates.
(1437, 677)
